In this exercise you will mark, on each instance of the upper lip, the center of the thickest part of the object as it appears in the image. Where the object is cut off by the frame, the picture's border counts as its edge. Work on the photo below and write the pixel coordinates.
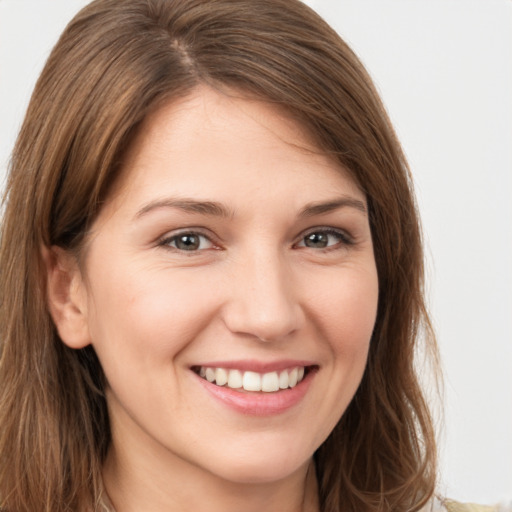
(257, 366)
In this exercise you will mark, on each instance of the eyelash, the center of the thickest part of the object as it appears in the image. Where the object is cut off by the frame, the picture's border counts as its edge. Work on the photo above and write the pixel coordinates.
(344, 240)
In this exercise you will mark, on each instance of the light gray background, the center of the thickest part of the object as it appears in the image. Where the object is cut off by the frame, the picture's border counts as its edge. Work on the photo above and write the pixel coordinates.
(444, 69)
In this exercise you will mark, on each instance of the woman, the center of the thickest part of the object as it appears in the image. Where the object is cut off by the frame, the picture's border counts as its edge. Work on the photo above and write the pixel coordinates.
(211, 273)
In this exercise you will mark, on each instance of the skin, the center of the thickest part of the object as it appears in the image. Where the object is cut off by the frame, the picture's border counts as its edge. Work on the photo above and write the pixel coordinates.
(254, 289)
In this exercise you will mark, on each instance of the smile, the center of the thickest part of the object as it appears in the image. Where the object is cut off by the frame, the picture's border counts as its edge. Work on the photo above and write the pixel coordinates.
(269, 382)
(257, 388)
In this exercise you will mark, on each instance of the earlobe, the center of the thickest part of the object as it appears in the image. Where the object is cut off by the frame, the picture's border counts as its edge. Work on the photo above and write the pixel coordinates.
(66, 296)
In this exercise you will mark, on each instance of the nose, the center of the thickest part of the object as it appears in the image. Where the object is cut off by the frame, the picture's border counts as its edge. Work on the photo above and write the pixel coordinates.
(263, 300)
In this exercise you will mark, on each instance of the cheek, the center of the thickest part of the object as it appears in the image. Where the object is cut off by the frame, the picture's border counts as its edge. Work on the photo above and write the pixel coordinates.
(147, 316)
(344, 309)
(347, 312)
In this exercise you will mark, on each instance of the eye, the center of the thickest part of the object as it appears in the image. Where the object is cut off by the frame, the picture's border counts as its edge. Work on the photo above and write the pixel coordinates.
(324, 238)
(188, 241)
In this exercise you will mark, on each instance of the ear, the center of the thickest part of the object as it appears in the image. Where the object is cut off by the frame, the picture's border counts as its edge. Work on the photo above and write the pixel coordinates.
(67, 297)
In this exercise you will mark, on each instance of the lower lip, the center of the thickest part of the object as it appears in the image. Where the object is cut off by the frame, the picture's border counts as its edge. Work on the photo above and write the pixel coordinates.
(259, 403)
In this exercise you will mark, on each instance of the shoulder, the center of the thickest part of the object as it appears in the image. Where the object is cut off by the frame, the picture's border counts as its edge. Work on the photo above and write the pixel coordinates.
(446, 505)
(455, 506)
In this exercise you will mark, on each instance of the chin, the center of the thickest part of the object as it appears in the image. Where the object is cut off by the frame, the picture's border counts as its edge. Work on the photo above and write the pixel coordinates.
(264, 467)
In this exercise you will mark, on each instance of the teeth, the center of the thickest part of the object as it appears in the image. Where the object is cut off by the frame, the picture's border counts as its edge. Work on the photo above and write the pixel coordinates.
(210, 374)
(221, 376)
(234, 379)
(283, 379)
(253, 381)
(292, 378)
(269, 382)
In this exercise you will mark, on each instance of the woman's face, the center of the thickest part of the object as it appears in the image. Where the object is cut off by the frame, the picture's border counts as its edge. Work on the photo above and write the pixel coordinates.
(229, 250)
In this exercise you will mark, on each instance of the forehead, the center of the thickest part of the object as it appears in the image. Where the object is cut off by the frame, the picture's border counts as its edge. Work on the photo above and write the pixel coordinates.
(213, 142)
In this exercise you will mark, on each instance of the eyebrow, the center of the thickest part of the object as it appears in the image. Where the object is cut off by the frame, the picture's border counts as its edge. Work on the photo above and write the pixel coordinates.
(323, 207)
(187, 205)
(215, 209)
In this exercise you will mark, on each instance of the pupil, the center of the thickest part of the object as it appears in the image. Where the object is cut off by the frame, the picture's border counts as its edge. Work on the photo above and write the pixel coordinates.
(318, 240)
(187, 242)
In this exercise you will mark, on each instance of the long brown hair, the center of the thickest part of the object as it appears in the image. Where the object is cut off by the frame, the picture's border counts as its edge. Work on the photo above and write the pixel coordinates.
(116, 62)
